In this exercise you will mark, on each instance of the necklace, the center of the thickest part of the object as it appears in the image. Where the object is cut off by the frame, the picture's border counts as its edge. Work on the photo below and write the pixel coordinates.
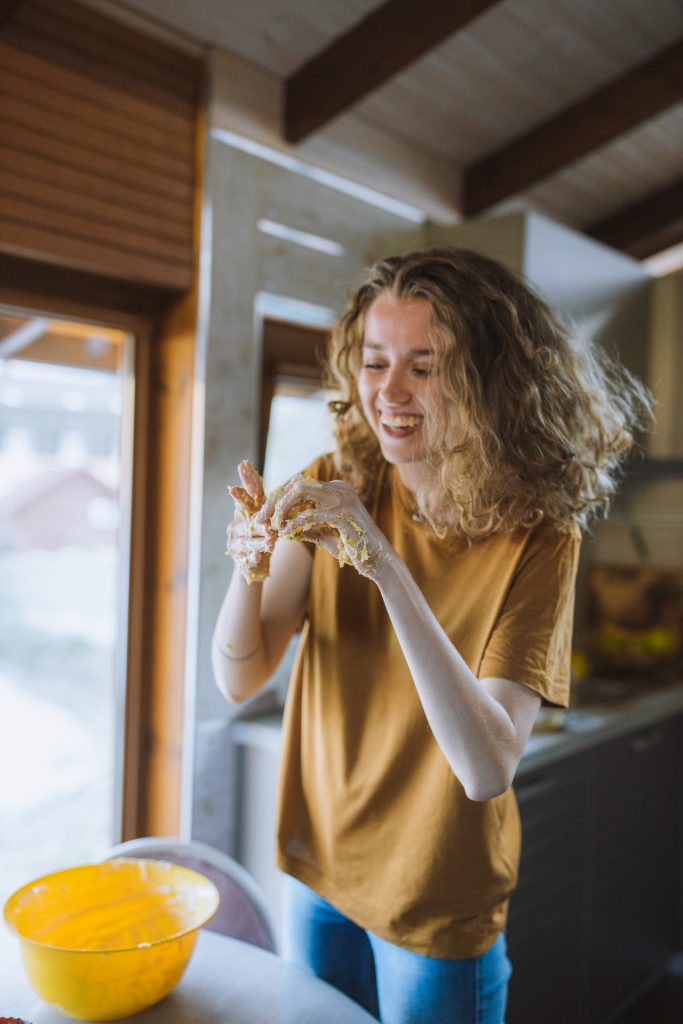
(405, 498)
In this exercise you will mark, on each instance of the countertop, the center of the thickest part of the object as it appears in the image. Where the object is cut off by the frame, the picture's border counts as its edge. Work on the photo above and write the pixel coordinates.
(586, 726)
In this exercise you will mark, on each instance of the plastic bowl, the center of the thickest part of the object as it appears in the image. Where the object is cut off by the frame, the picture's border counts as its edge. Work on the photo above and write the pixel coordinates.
(106, 940)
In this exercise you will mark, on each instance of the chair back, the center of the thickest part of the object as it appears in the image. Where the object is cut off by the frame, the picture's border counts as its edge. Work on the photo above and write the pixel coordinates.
(242, 912)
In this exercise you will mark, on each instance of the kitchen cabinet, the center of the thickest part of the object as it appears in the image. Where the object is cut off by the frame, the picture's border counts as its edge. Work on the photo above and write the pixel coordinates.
(597, 911)
(596, 915)
(635, 856)
(546, 925)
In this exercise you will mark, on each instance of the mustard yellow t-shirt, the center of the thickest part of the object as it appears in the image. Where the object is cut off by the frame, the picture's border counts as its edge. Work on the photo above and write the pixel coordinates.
(370, 814)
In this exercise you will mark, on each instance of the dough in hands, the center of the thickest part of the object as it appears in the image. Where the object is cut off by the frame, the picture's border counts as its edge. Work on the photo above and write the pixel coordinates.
(350, 550)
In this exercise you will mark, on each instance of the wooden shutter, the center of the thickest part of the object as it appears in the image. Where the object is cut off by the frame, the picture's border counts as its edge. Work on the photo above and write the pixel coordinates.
(97, 145)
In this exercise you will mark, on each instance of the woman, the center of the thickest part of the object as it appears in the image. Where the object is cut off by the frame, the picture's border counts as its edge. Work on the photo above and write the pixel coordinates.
(475, 440)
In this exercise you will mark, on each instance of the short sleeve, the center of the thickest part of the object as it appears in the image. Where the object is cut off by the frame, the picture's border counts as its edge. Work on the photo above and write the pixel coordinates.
(531, 640)
(322, 469)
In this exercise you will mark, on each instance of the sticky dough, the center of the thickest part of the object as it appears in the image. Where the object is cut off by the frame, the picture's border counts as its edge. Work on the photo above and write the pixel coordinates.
(350, 551)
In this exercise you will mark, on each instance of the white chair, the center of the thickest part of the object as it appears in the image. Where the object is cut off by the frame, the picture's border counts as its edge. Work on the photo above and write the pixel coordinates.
(242, 912)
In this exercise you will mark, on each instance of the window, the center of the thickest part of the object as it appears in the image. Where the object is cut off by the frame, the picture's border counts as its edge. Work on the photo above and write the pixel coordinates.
(296, 425)
(64, 485)
(299, 429)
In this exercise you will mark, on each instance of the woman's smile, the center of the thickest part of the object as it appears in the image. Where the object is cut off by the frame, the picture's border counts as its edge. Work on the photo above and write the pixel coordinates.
(400, 424)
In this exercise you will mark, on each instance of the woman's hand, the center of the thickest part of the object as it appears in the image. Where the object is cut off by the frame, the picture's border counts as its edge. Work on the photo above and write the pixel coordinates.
(250, 537)
(332, 516)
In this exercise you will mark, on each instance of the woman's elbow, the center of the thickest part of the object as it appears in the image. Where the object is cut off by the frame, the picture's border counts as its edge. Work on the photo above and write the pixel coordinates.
(479, 790)
(226, 687)
(233, 694)
(480, 794)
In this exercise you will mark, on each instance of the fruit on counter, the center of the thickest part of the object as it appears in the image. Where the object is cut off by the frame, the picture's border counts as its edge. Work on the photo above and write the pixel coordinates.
(656, 640)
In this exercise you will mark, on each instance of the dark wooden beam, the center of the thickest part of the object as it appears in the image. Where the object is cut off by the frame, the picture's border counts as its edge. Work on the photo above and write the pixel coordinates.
(8, 8)
(622, 104)
(647, 227)
(382, 44)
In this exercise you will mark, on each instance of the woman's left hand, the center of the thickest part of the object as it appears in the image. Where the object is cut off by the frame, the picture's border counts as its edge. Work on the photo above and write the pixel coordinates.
(332, 516)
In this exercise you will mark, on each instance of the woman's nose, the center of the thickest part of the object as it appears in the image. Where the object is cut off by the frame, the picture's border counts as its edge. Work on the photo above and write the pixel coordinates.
(394, 390)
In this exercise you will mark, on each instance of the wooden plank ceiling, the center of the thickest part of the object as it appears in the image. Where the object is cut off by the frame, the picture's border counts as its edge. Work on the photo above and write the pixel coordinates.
(574, 107)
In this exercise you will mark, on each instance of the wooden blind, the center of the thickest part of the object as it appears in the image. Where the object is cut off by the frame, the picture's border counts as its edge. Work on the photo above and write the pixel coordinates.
(97, 145)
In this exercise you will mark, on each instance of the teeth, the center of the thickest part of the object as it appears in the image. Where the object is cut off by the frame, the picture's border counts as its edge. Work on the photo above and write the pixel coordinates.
(401, 421)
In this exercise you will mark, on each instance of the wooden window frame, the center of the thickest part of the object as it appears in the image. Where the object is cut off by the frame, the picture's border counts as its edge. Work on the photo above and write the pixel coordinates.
(163, 325)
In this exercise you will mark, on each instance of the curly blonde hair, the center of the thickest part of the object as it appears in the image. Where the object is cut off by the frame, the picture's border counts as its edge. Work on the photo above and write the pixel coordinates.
(534, 425)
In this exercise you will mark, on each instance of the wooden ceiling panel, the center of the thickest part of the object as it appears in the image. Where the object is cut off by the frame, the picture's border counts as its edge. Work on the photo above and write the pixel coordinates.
(647, 227)
(272, 35)
(446, 103)
(637, 95)
(600, 38)
(615, 176)
(511, 69)
(384, 43)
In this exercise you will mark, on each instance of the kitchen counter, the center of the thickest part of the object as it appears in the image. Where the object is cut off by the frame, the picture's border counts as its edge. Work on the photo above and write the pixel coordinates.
(597, 722)
(586, 726)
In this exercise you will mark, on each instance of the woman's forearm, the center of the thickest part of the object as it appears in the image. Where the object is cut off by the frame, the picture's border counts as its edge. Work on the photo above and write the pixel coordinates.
(257, 621)
(473, 730)
(238, 651)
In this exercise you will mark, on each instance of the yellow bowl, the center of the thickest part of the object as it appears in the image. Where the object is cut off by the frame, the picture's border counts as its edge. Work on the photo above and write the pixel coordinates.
(106, 940)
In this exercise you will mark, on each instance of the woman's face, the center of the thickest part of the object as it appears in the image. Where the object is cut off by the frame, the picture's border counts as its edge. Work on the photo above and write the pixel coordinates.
(397, 380)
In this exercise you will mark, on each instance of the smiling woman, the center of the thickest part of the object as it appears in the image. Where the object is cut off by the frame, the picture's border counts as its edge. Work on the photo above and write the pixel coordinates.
(474, 439)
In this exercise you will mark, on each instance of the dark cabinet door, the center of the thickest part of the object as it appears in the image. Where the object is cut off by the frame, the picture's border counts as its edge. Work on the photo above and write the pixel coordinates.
(597, 911)
(635, 868)
(546, 924)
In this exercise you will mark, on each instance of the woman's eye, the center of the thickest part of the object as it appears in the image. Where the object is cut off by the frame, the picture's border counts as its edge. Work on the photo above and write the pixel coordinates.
(373, 366)
(423, 371)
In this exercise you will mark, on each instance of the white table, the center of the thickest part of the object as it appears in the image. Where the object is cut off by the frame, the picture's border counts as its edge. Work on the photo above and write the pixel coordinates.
(226, 982)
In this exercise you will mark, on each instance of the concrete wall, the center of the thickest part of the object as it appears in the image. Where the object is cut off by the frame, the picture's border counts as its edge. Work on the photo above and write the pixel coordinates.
(248, 101)
(245, 271)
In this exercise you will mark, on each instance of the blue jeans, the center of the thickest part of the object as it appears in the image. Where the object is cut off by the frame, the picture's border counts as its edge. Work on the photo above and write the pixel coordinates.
(394, 984)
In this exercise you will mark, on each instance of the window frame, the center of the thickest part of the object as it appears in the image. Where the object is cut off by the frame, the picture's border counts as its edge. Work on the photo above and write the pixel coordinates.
(163, 330)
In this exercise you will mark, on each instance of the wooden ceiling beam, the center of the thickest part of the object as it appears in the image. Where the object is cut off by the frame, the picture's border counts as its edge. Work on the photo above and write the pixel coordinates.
(622, 104)
(382, 44)
(8, 8)
(646, 227)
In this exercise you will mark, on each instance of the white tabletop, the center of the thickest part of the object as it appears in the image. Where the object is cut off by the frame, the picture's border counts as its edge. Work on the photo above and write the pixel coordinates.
(226, 982)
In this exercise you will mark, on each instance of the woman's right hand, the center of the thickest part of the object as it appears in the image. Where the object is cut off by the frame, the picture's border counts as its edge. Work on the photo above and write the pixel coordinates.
(250, 537)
